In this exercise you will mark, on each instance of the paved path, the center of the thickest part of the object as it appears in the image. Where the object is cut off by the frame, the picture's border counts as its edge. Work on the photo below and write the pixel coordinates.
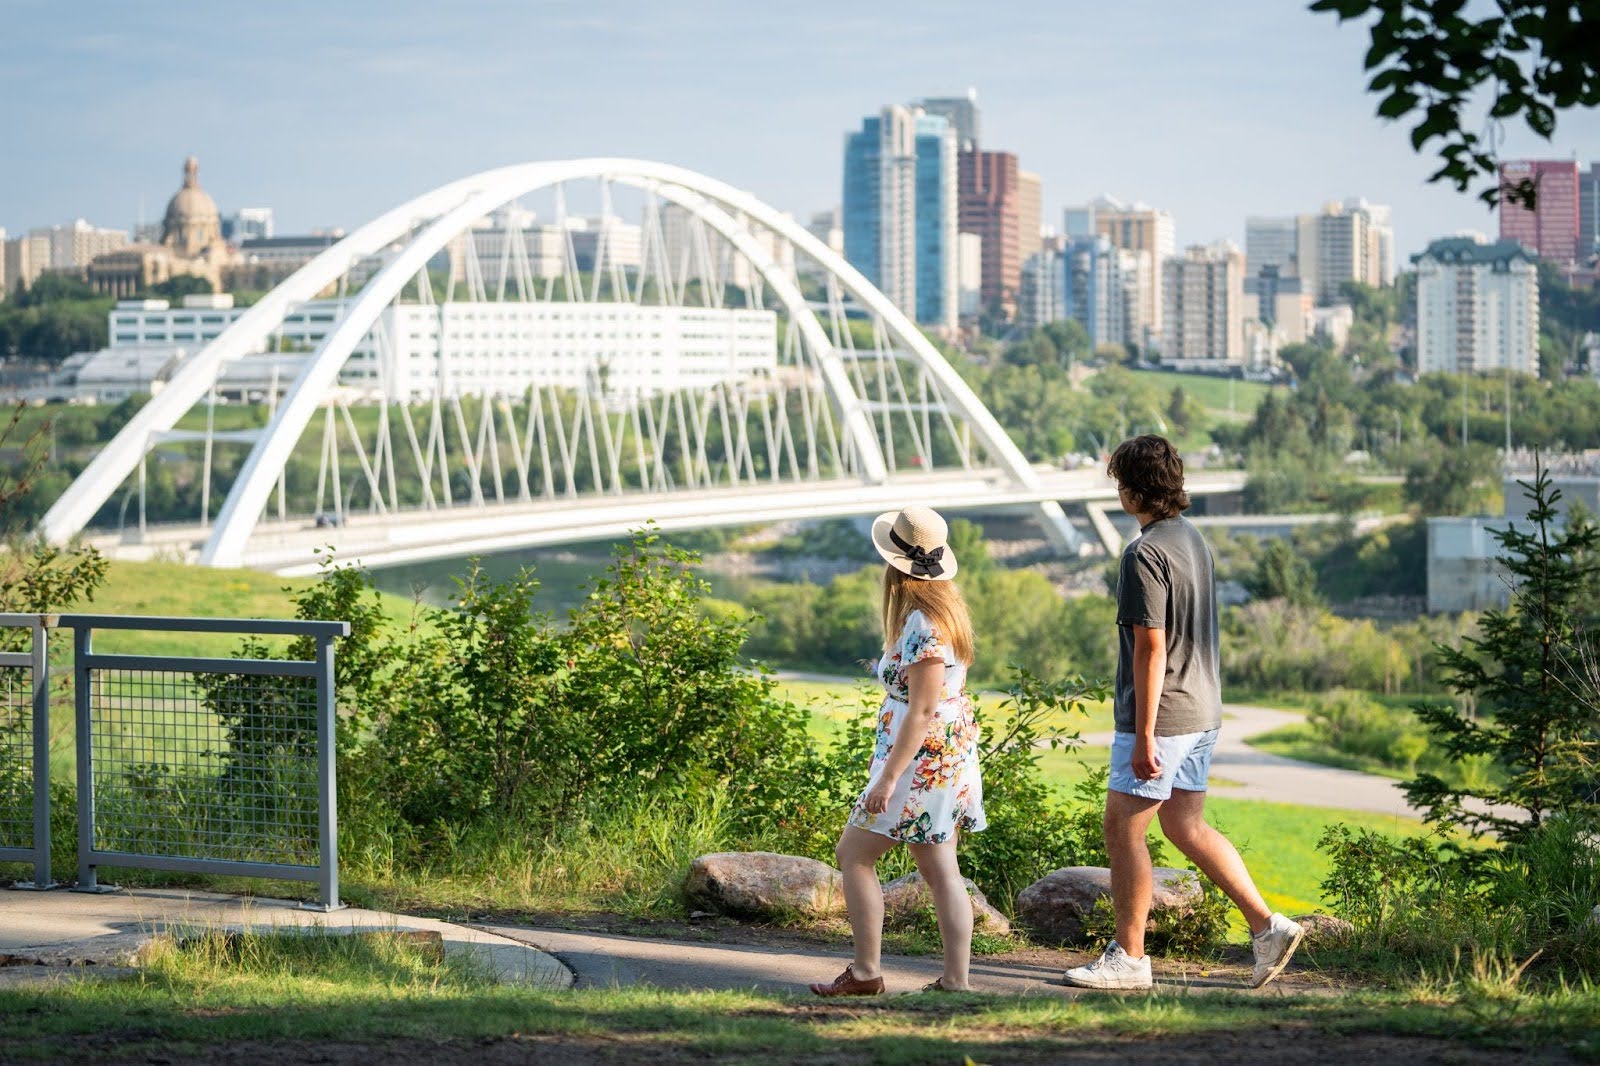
(1261, 775)
(62, 929)
(603, 960)
(1264, 776)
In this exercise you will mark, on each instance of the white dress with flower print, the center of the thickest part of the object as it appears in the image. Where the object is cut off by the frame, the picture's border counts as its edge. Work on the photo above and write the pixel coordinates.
(941, 791)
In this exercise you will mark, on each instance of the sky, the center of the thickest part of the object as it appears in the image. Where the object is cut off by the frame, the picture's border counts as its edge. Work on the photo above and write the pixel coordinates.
(331, 112)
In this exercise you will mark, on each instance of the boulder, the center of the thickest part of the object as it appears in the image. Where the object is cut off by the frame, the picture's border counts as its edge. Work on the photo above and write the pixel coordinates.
(1055, 908)
(907, 895)
(1323, 928)
(763, 884)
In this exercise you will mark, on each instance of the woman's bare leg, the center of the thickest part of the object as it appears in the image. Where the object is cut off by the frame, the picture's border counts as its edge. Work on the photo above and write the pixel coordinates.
(938, 866)
(858, 853)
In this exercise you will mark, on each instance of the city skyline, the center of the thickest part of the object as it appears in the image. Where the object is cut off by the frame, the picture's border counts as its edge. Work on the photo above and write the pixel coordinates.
(328, 117)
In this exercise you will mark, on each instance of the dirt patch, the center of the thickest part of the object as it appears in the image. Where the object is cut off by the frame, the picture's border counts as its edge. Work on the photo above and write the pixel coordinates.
(1285, 1045)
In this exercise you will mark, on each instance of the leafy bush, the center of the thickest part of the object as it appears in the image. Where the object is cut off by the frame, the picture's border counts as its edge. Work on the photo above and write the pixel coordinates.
(1031, 832)
(490, 711)
(1357, 725)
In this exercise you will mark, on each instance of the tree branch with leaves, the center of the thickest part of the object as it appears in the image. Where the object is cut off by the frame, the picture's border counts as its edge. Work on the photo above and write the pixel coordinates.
(1433, 60)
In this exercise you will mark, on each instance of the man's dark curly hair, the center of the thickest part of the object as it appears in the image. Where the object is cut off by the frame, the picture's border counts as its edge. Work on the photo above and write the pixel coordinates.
(1150, 468)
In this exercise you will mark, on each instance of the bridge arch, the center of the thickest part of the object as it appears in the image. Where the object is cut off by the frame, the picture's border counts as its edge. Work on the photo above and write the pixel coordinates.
(426, 225)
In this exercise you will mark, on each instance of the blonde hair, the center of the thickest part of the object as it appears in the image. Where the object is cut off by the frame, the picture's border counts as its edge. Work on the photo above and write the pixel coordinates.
(940, 601)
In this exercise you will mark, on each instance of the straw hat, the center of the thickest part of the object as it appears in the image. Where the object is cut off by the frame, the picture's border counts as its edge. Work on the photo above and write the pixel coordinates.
(915, 542)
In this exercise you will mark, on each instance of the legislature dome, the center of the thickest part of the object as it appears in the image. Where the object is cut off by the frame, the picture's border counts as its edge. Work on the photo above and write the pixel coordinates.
(192, 223)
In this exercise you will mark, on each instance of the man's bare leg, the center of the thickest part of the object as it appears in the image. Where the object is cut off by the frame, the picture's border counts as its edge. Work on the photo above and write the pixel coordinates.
(1183, 822)
(1132, 876)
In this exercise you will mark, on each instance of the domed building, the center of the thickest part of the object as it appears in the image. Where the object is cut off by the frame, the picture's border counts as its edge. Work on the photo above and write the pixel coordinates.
(191, 246)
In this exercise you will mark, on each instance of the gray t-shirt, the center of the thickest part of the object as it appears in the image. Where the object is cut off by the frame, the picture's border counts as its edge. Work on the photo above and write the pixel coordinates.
(1167, 583)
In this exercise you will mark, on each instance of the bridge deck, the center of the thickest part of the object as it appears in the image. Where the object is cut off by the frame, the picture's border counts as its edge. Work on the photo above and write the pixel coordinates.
(395, 539)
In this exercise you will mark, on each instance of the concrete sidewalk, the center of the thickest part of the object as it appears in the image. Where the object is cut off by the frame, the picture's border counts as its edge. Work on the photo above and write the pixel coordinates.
(605, 960)
(60, 929)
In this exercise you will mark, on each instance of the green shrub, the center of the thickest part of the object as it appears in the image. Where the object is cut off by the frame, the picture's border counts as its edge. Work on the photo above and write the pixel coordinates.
(1031, 832)
(1427, 904)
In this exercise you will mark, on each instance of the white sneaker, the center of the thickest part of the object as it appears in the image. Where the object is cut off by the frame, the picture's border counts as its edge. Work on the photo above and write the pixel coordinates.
(1114, 969)
(1274, 947)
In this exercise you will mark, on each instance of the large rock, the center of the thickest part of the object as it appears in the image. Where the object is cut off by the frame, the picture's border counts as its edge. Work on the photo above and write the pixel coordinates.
(1324, 928)
(763, 884)
(1055, 908)
(906, 896)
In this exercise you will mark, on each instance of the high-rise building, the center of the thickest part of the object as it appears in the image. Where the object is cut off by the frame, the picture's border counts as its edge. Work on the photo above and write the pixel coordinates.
(1272, 243)
(1589, 212)
(1101, 287)
(1477, 307)
(962, 114)
(1204, 313)
(1343, 242)
(1030, 213)
(990, 203)
(247, 224)
(25, 259)
(1281, 302)
(1550, 229)
(899, 206)
(969, 275)
(75, 245)
(938, 221)
(1146, 232)
(1380, 226)
(1039, 301)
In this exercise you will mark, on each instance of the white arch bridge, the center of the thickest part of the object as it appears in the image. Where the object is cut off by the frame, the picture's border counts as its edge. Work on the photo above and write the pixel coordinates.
(492, 377)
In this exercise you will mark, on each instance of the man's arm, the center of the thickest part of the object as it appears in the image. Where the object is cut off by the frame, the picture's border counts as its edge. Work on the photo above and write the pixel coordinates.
(1149, 674)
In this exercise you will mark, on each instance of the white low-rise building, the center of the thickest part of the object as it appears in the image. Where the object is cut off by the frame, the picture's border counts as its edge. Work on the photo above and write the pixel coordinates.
(472, 348)
(418, 350)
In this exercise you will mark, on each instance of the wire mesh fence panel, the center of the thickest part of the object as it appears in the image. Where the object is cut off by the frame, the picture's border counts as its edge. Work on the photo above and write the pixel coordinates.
(16, 757)
(205, 766)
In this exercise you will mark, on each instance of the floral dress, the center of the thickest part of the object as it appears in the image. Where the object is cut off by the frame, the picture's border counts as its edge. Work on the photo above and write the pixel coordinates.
(941, 791)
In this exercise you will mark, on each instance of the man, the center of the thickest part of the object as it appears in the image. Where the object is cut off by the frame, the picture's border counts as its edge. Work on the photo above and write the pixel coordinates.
(1168, 708)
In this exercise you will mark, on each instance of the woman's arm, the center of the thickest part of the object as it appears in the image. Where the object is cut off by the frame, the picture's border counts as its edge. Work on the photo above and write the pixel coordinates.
(924, 680)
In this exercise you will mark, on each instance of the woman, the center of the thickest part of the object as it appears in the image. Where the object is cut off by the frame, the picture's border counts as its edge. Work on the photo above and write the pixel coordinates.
(924, 787)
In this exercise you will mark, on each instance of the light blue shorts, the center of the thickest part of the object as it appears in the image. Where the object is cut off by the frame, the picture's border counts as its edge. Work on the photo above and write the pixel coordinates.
(1185, 763)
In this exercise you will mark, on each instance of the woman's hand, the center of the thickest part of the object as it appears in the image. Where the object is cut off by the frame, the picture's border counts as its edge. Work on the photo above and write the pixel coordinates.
(878, 796)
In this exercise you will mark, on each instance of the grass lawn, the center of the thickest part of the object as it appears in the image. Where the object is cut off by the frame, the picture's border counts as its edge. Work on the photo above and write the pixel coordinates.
(1278, 839)
(275, 1001)
(1301, 742)
(179, 590)
(1212, 392)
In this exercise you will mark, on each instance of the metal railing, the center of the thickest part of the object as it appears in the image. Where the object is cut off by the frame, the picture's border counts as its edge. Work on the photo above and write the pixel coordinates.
(25, 744)
(206, 765)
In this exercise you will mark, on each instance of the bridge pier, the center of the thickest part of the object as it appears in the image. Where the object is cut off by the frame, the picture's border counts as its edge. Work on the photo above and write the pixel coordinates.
(1059, 530)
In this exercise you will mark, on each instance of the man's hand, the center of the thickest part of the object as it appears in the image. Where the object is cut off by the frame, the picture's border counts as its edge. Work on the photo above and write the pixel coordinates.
(878, 796)
(1146, 764)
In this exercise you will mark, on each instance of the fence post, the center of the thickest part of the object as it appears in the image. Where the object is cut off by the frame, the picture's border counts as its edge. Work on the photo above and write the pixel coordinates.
(82, 646)
(327, 779)
(41, 757)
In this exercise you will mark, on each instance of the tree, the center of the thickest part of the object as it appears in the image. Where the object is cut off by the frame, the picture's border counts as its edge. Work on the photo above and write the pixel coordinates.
(1182, 412)
(1447, 481)
(1433, 59)
(177, 288)
(1282, 573)
(1524, 673)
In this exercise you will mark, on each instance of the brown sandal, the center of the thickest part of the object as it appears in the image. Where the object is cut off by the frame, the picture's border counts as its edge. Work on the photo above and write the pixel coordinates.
(847, 984)
(937, 985)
